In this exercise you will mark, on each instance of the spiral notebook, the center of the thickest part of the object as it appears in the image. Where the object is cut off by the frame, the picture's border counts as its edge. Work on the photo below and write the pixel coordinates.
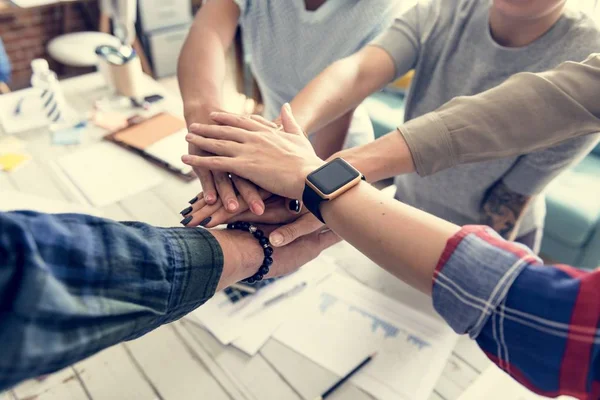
(160, 139)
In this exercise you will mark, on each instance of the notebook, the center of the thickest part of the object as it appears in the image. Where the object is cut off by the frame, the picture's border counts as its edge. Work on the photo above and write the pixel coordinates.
(160, 138)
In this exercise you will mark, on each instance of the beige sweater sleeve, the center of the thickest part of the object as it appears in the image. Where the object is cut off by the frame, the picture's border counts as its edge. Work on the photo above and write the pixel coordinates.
(528, 112)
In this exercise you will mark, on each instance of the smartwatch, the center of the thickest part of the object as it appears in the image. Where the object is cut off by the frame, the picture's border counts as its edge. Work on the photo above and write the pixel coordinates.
(328, 182)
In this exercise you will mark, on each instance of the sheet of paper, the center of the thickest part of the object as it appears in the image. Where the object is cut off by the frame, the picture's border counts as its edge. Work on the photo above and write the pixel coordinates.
(361, 268)
(14, 201)
(248, 322)
(105, 173)
(170, 149)
(494, 384)
(344, 321)
(29, 117)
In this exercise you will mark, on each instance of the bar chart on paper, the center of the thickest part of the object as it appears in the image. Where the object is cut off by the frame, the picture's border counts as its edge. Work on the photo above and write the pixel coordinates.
(345, 321)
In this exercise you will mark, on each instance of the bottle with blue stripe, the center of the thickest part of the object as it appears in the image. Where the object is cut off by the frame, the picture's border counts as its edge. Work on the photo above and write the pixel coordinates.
(53, 102)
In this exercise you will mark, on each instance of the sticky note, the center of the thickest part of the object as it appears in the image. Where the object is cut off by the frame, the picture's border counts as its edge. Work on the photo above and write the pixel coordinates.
(67, 136)
(11, 161)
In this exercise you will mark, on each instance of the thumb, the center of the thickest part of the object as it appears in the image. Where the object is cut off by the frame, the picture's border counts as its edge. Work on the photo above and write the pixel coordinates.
(286, 234)
(289, 122)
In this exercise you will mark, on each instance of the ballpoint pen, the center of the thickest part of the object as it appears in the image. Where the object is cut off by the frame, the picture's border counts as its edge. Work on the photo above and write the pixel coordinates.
(342, 380)
(278, 298)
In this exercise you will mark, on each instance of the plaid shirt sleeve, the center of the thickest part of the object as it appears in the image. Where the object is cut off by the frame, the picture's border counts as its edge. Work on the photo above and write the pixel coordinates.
(539, 323)
(72, 285)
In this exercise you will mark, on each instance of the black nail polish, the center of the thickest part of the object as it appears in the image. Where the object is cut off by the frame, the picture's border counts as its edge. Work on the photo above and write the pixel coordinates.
(206, 221)
(186, 211)
(192, 201)
(186, 220)
(294, 206)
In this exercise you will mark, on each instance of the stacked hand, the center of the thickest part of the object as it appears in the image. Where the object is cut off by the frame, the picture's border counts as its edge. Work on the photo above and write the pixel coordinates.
(218, 186)
(276, 160)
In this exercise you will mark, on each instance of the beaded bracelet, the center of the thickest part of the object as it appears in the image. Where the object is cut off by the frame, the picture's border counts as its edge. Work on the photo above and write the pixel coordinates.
(264, 243)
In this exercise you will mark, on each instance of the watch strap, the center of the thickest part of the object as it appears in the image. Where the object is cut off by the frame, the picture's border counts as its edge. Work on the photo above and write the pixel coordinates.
(312, 201)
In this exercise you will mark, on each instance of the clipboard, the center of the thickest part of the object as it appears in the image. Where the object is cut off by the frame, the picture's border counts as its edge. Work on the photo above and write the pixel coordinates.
(160, 139)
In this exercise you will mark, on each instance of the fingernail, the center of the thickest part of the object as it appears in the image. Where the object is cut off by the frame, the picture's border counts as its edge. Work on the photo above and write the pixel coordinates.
(276, 239)
(186, 211)
(294, 206)
(232, 205)
(186, 220)
(214, 114)
(205, 221)
(189, 136)
(257, 208)
(288, 107)
(186, 158)
(194, 200)
(193, 126)
(209, 198)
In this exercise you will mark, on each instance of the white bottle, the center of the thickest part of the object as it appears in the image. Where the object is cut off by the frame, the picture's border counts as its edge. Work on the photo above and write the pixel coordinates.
(53, 102)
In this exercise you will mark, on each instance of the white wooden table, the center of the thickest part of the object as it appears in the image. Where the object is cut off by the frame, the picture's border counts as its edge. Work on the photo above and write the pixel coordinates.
(180, 360)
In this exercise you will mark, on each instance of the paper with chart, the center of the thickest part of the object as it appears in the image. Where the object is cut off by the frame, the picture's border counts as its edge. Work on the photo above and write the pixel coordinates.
(247, 323)
(494, 384)
(344, 321)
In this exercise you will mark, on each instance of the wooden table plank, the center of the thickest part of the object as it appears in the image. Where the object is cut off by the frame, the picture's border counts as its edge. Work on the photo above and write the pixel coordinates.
(260, 380)
(228, 382)
(112, 375)
(209, 342)
(5, 182)
(170, 367)
(36, 179)
(148, 207)
(62, 385)
(176, 193)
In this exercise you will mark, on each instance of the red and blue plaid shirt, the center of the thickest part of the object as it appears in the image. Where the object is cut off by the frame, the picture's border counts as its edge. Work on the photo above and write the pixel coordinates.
(539, 323)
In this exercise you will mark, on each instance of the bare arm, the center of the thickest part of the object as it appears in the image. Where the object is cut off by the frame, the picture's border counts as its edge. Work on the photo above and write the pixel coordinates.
(201, 69)
(201, 73)
(383, 229)
(552, 107)
(342, 87)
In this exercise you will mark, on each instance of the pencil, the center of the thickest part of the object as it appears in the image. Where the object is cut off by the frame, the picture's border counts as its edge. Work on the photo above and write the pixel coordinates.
(339, 383)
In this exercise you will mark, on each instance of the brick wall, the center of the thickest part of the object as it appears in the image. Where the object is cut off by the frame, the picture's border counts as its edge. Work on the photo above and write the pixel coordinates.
(26, 33)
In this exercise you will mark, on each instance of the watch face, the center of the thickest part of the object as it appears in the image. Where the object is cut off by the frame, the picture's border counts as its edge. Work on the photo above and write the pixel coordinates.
(333, 176)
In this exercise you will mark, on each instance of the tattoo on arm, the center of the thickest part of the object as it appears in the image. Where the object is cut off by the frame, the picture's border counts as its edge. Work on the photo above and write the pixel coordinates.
(501, 209)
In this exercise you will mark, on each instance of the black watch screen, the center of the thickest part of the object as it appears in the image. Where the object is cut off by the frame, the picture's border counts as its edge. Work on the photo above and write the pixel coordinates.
(333, 176)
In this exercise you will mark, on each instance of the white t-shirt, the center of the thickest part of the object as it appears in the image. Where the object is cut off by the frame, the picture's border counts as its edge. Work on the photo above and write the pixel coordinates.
(289, 46)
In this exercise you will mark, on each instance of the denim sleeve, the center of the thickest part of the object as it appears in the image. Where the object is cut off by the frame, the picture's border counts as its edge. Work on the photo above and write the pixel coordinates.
(72, 285)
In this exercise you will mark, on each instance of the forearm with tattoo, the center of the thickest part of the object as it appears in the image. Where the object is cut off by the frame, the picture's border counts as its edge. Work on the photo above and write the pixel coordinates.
(502, 208)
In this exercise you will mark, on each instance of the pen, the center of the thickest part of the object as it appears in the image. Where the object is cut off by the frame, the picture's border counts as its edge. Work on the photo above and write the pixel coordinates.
(284, 295)
(278, 298)
(339, 383)
(19, 106)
